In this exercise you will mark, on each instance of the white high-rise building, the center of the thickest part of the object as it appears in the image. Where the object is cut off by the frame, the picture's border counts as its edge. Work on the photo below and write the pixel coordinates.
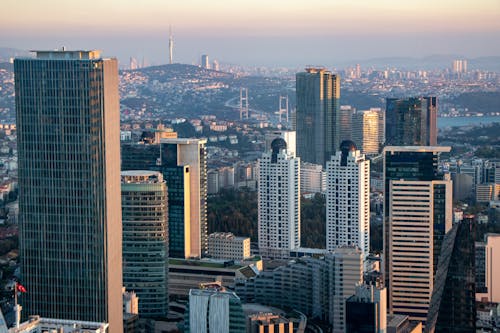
(312, 178)
(279, 201)
(348, 199)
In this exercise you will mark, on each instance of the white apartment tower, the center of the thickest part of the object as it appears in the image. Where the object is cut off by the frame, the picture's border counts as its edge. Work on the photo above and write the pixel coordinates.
(279, 201)
(348, 199)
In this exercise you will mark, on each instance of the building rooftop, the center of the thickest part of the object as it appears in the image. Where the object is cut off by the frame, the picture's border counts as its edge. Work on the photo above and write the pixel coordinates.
(184, 141)
(37, 324)
(418, 149)
(63, 54)
(141, 177)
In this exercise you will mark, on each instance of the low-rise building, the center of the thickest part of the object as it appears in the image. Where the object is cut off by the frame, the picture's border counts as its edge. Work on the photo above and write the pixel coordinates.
(225, 245)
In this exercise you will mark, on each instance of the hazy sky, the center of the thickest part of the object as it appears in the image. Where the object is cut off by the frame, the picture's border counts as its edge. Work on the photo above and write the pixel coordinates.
(256, 32)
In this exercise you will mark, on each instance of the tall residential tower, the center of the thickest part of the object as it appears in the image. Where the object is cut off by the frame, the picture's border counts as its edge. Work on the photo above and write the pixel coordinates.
(348, 199)
(69, 186)
(279, 201)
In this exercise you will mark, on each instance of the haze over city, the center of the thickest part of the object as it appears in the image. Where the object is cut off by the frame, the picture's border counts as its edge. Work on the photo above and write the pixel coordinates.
(276, 33)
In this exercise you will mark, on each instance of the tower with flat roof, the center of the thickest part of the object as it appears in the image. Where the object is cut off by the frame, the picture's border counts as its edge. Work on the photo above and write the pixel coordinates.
(68, 136)
(417, 215)
(317, 115)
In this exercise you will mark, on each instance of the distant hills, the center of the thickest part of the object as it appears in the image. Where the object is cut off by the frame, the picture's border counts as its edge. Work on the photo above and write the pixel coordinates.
(438, 61)
(491, 63)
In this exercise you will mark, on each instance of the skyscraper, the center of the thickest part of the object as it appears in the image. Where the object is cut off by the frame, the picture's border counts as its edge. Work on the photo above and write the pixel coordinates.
(204, 62)
(145, 240)
(411, 121)
(345, 122)
(183, 161)
(279, 201)
(348, 199)
(317, 116)
(69, 185)
(418, 213)
(453, 304)
(366, 131)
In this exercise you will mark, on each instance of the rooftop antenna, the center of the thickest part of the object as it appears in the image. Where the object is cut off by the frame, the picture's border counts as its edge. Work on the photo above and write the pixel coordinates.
(171, 45)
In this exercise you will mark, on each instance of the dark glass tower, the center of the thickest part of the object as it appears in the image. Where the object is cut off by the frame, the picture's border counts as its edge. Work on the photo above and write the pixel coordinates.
(69, 186)
(453, 306)
(317, 115)
(411, 121)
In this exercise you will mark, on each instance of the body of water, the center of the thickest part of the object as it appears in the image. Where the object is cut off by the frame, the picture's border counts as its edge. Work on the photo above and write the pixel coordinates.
(466, 121)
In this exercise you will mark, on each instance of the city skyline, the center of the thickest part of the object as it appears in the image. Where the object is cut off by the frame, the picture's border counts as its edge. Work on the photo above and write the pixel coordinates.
(340, 31)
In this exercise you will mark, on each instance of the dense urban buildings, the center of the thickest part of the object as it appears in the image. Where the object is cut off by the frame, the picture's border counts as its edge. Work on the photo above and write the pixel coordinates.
(317, 287)
(183, 164)
(411, 121)
(418, 213)
(279, 201)
(453, 304)
(348, 199)
(68, 136)
(145, 240)
(312, 178)
(317, 115)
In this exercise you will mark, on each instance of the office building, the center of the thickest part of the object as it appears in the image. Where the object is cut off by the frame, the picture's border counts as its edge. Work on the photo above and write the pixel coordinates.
(348, 199)
(186, 274)
(279, 201)
(366, 131)
(417, 215)
(492, 269)
(317, 287)
(366, 310)
(345, 121)
(269, 322)
(453, 305)
(213, 310)
(225, 245)
(145, 240)
(459, 66)
(411, 121)
(312, 178)
(68, 139)
(487, 192)
(183, 164)
(317, 116)
(204, 62)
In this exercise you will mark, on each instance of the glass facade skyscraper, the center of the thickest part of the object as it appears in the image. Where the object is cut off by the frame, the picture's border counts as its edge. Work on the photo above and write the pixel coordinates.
(185, 161)
(317, 115)
(411, 121)
(145, 240)
(68, 136)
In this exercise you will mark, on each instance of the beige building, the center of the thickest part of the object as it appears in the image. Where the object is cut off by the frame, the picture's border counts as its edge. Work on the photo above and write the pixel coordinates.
(487, 192)
(268, 323)
(191, 155)
(225, 245)
(492, 272)
(411, 243)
